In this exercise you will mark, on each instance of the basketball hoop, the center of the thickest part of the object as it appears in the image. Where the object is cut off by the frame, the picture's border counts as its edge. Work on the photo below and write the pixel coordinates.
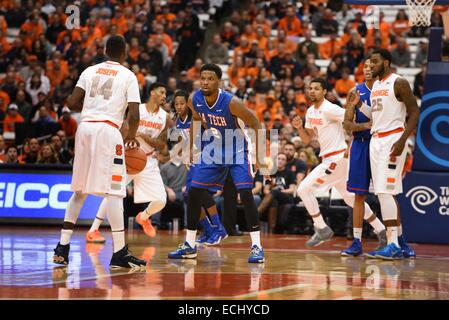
(420, 12)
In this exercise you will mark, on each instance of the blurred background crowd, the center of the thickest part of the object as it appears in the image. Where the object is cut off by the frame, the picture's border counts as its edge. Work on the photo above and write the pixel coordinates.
(268, 51)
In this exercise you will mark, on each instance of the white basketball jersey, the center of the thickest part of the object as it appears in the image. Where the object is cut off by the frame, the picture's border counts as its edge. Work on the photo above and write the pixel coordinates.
(108, 87)
(150, 125)
(327, 121)
(388, 112)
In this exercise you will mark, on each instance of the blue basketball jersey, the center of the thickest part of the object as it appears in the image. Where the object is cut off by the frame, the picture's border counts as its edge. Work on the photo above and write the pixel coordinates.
(221, 126)
(365, 97)
(184, 126)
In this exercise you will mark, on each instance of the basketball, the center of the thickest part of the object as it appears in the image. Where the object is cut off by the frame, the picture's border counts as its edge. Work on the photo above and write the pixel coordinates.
(135, 160)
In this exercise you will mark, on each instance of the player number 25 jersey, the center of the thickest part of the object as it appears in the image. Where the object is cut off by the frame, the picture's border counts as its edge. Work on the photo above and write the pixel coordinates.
(388, 112)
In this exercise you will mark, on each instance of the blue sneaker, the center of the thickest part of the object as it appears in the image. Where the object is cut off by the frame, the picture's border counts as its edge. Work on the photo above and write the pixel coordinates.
(373, 254)
(390, 252)
(257, 255)
(185, 251)
(216, 236)
(207, 231)
(407, 252)
(354, 250)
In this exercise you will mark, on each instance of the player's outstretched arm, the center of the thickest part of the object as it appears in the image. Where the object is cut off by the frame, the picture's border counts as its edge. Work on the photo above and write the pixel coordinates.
(76, 100)
(353, 102)
(133, 123)
(404, 93)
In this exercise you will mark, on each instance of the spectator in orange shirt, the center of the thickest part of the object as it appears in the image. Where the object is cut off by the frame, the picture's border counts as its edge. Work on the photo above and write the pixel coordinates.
(159, 31)
(400, 24)
(237, 70)
(331, 47)
(260, 21)
(243, 47)
(33, 27)
(261, 38)
(290, 23)
(12, 118)
(249, 33)
(4, 100)
(67, 123)
(120, 20)
(193, 73)
(290, 46)
(93, 33)
(343, 85)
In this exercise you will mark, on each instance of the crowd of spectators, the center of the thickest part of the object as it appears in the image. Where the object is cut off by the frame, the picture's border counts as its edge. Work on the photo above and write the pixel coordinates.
(269, 52)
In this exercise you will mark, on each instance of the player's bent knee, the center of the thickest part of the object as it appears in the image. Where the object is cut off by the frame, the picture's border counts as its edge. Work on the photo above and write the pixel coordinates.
(303, 190)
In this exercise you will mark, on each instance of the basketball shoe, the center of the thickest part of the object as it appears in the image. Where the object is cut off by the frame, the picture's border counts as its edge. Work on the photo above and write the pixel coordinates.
(354, 250)
(146, 225)
(124, 259)
(184, 251)
(218, 233)
(320, 236)
(95, 237)
(390, 252)
(61, 255)
(207, 230)
(257, 255)
(406, 250)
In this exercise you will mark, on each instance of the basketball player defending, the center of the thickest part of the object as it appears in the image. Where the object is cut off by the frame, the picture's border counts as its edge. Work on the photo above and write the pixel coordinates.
(101, 94)
(220, 110)
(359, 164)
(325, 120)
(392, 101)
(213, 229)
(148, 185)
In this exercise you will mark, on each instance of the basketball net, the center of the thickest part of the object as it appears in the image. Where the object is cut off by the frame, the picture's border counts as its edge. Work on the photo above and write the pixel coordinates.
(420, 12)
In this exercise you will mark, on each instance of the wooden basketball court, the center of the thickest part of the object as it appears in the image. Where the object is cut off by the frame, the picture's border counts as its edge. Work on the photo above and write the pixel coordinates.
(290, 272)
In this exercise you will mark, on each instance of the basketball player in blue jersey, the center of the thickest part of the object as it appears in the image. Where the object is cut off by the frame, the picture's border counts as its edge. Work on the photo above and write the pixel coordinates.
(213, 229)
(220, 111)
(357, 122)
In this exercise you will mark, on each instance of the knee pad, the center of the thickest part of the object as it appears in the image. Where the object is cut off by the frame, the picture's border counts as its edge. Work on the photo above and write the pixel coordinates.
(208, 201)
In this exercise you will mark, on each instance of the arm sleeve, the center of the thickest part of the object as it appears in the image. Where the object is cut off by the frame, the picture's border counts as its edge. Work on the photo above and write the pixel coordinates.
(366, 110)
(334, 112)
(133, 94)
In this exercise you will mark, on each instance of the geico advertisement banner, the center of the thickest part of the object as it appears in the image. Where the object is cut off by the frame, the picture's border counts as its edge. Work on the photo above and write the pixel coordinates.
(40, 195)
(425, 207)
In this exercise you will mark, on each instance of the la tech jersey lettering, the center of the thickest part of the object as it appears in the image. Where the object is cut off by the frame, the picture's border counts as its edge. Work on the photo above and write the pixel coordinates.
(327, 121)
(388, 112)
(108, 87)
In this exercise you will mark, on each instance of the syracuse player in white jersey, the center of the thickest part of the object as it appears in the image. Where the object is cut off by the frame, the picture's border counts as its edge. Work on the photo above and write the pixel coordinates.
(325, 120)
(102, 94)
(148, 184)
(392, 100)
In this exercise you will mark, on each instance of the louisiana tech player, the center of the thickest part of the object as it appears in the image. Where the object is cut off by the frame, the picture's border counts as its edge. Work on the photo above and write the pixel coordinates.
(213, 229)
(392, 100)
(359, 164)
(148, 185)
(102, 93)
(220, 111)
(324, 119)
